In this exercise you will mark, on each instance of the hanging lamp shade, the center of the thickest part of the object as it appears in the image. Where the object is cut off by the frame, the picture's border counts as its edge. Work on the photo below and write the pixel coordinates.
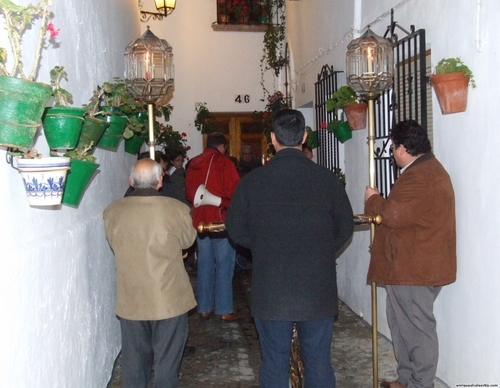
(369, 64)
(149, 67)
(165, 6)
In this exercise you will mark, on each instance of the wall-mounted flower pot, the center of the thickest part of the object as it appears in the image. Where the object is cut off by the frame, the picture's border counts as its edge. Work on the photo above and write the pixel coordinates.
(113, 134)
(21, 107)
(62, 126)
(77, 181)
(44, 179)
(92, 131)
(134, 144)
(356, 115)
(343, 131)
(451, 91)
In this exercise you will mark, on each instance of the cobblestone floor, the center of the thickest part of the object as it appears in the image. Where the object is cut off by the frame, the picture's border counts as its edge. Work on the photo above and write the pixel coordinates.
(227, 354)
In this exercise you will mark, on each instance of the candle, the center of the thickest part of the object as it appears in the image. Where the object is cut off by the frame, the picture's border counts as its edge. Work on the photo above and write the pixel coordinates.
(370, 60)
(148, 74)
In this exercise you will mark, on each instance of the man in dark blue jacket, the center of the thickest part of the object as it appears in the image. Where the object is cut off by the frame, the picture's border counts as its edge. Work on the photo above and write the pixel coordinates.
(294, 215)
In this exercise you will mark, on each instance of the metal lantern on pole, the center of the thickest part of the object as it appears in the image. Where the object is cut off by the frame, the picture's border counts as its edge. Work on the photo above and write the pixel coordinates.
(370, 64)
(149, 73)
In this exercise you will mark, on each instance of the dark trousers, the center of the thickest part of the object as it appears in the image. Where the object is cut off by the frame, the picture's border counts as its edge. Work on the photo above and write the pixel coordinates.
(413, 331)
(147, 343)
(315, 338)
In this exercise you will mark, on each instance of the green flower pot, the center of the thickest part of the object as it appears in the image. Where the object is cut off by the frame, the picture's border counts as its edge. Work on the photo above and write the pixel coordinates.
(343, 132)
(77, 180)
(62, 126)
(21, 107)
(113, 134)
(92, 131)
(133, 145)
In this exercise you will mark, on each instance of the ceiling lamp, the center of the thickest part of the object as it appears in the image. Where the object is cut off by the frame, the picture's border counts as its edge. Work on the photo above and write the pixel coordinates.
(164, 7)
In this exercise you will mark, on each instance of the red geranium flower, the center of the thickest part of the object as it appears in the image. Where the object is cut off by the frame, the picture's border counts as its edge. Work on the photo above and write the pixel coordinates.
(52, 30)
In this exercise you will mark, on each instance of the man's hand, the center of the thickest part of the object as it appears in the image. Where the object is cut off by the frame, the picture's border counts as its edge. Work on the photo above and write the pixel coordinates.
(370, 191)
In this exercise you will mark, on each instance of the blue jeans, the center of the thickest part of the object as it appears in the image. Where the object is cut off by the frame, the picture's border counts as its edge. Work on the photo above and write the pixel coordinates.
(315, 338)
(214, 286)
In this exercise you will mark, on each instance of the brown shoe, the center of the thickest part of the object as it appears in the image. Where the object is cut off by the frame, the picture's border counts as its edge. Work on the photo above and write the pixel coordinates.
(206, 316)
(231, 317)
(392, 384)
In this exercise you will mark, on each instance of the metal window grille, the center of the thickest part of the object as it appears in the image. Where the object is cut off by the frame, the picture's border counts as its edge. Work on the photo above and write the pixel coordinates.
(246, 12)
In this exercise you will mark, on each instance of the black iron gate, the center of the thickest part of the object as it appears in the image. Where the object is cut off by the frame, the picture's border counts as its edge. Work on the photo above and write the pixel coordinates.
(328, 148)
(408, 99)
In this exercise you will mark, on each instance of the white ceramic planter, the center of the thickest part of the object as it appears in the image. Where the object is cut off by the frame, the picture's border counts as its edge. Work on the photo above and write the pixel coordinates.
(44, 179)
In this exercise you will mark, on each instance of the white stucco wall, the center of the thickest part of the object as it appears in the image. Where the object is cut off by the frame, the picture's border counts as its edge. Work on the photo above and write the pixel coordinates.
(56, 269)
(57, 290)
(467, 145)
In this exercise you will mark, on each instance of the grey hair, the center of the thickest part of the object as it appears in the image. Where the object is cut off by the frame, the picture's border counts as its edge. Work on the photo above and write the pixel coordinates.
(247, 147)
(146, 177)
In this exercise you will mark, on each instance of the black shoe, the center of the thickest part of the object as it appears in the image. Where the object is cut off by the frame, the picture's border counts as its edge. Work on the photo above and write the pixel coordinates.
(188, 350)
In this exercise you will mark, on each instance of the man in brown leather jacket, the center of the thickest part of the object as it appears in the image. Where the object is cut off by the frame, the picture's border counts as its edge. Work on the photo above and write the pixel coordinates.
(414, 252)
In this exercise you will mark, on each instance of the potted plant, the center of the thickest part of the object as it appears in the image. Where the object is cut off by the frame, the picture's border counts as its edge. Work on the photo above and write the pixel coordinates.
(62, 124)
(224, 14)
(241, 9)
(354, 107)
(117, 101)
(451, 83)
(312, 138)
(204, 121)
(83, 167)
(22, 101)
(44, 178)
(94, 125)
(171, 141)
(340, 129)
(135, 132)
(274, 38)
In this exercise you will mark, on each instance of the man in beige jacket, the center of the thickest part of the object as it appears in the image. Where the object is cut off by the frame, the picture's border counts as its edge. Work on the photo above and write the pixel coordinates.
(147, 233)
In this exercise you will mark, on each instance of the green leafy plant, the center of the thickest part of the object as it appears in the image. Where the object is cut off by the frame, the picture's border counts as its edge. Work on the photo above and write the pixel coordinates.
(171, 140)
(92, 108)
(62, 96)
(274, 38)
(117, 96)
(204, 120)
(343, 96)
(81, 153)
(30, 154)
(17, 20)
(240, 8)
(338, 171)
(455, 65)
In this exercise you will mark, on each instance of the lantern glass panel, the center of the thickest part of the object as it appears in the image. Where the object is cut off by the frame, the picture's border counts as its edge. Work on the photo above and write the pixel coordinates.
(149, 67)
(369, 64)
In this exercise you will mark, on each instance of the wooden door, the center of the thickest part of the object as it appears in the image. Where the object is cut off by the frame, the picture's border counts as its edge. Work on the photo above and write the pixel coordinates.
(240, 129)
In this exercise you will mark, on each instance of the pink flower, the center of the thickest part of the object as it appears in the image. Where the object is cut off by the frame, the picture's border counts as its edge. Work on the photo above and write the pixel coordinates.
(323, 125)
(52, 30)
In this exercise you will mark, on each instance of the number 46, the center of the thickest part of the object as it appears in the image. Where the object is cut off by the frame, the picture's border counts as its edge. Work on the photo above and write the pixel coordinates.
(242, 99)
